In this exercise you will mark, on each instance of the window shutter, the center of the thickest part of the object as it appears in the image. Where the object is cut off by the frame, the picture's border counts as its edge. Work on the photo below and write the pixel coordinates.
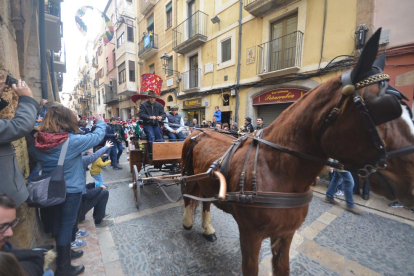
(169, 7)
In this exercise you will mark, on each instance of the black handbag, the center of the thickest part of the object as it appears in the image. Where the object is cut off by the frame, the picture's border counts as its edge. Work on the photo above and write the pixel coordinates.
(49, 189)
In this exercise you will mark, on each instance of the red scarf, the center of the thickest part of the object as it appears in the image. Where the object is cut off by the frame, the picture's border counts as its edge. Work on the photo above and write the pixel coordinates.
(46, 141)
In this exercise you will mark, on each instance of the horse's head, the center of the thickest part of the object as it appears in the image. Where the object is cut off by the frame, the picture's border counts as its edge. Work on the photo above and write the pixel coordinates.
(369, 124)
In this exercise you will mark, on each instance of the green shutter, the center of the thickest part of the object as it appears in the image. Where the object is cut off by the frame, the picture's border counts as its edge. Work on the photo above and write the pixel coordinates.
(150, 22)
(168, 8)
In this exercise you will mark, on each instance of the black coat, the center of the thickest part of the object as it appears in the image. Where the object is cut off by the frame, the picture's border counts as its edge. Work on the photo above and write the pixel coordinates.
(248, 128)
(146, 110)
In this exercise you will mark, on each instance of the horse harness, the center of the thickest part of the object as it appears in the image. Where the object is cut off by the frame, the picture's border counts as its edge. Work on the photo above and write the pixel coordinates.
(389, 99)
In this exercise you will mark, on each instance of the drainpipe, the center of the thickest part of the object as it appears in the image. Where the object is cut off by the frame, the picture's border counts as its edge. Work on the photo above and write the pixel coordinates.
(236, 117)
(42, 43)
(52, 73)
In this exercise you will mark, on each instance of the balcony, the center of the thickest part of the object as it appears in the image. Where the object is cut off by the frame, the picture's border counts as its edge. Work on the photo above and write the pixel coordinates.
(260, 7)
(110, 97)
(280, 56)
(59, 61)
(191, 33)
(53, 26)
(147, 5)
(148, 47)
(191, 80)
(94, 62)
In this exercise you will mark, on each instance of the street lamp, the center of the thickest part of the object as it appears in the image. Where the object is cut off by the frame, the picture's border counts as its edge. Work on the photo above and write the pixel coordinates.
(164, 60)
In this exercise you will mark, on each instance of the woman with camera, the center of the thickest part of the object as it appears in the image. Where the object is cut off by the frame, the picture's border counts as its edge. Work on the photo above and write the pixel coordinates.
(60, 124)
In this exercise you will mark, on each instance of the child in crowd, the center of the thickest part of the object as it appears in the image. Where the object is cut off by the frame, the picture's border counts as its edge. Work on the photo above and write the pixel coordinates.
(97, 166)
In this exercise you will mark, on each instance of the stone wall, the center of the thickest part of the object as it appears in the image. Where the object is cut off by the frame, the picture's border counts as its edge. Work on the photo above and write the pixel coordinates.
(12, 54)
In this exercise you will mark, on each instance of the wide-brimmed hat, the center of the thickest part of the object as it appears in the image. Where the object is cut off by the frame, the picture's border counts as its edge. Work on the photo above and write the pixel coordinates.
(150, 83)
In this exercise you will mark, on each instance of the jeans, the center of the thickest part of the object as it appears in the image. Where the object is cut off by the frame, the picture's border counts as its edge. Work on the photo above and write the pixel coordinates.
(98, 177)
(120, 149)
(348, 182)
(65, 216)
(176, 136)
(153, 134)
(98, 203)
(48, 272)
(113, 155)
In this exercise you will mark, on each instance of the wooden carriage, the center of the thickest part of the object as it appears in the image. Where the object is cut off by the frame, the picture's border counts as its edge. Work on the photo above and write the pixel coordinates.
(166, 157)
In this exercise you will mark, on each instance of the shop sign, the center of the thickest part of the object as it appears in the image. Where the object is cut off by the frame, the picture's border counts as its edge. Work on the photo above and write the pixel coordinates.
(279, 96)
(192, 103)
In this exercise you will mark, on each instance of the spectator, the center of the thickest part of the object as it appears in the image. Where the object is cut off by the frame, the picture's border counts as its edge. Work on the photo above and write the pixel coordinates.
(186, 122)
(152, 112)
(248, 127)
(31, 262)
(213, 124)
(177, 124)
(96, 198)
(9, 265)
(59, 125)
(194, 124)
(13, 183)
(98, 164)
(82, 126)
(218, 126)
(260, 124)
(226, 126)
(234, 126)
(348, 189)
(217, 114)
(209, 124)
(112, 135)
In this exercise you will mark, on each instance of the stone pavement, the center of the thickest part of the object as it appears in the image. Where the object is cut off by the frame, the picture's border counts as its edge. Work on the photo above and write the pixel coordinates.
(331, 241)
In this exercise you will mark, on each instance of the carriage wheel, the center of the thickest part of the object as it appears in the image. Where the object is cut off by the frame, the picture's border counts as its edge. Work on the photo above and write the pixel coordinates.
(137, 186)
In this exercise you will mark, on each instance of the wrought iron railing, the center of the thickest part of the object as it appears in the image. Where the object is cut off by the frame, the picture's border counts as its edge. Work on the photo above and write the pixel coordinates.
(280, 53)
(280, 2)
(194, 25)
(191, 79)
(148, 42)
(53, 8)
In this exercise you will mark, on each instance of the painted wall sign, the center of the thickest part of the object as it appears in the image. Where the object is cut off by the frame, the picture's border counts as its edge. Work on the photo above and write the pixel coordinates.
(279, 96)
(192, 103)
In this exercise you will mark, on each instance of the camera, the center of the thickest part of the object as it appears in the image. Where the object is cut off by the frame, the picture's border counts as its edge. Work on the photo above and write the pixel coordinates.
(10, 81)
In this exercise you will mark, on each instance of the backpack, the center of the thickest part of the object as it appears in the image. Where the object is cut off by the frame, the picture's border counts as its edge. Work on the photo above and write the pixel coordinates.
(49, 189)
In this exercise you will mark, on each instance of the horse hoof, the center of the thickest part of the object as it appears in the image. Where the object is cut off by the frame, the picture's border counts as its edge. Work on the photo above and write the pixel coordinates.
(211, 237)
(187, 228)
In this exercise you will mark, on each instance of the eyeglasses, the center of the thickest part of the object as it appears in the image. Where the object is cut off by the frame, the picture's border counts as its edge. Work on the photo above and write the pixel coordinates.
(5, 226)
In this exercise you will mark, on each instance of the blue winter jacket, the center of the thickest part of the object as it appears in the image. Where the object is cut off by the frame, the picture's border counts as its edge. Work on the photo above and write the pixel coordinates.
(217, 114)
(73, 166)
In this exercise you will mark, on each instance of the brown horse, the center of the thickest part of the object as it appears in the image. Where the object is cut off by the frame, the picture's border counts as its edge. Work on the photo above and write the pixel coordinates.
(298, 128)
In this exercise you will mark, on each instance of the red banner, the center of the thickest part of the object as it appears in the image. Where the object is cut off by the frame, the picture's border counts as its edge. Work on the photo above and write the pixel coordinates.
(283, 95)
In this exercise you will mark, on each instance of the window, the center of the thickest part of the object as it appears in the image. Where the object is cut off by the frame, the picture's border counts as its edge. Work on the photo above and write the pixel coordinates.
(100, 50)
(121, 73)
(226, 50)
(120, 40)
(170, 66)
(150, 24)
(131, 65)
(130, 32)
(168, 11)
(114, 59)
(170, 98)
(130, 1)
(101, 74)
(152, 68)
(226, 100)
(107, 65)
(99, 98)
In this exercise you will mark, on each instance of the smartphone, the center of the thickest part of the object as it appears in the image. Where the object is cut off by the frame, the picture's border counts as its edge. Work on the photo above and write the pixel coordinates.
(10, 81)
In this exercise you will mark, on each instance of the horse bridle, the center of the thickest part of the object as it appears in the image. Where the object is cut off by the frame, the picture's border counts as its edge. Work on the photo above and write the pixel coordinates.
(349, 89)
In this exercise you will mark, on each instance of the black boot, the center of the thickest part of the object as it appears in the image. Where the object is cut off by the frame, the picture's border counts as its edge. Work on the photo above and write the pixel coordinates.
(64, 267)
(75, 254)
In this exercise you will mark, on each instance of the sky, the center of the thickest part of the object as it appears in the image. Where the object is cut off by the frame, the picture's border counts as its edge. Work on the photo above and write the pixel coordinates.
(74, 40)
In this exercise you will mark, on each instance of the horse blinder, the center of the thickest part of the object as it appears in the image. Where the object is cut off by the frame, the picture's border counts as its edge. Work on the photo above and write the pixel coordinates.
(384, 108)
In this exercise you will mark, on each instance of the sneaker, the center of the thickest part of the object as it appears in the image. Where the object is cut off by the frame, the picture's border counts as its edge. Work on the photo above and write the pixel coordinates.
(117, 168)
(330, 201)
(104, 223)
(78, 244)
(395, 204)
(82, 233)
(355, 210)
(339, 193)
(107, 216)
(128, 158)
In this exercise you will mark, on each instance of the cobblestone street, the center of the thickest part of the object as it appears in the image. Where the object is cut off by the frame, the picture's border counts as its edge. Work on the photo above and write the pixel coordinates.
(331, 241)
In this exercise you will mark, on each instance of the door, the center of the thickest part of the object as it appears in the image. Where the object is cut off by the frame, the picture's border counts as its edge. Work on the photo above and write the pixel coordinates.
(193, 74)
(191, 19)
(225, 117)
(282, 46)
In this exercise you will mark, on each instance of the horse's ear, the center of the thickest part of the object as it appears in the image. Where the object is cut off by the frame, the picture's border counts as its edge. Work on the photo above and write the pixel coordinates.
(380, 62)
(367, 58)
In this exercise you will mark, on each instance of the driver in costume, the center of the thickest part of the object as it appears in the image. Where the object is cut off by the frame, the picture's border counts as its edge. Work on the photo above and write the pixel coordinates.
(151, 113)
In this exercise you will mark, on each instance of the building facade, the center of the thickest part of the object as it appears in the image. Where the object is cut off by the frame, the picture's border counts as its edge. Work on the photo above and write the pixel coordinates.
(31, 49)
